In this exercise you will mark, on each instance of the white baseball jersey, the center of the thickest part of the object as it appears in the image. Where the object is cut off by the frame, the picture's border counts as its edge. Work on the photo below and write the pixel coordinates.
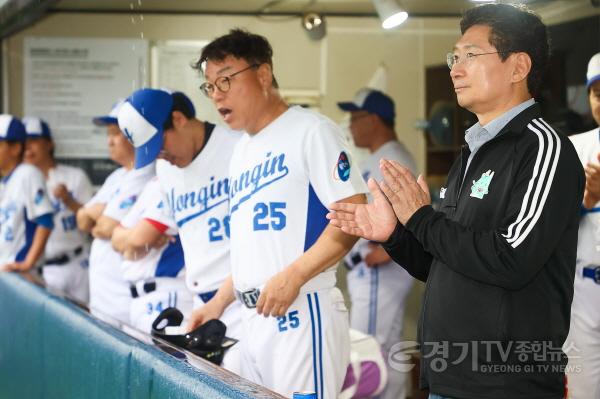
(23, 198)
(378, 294)
(587, 292)
(281, 182)
(159, 262)
(109, 293)
(197, 200)
(393, 150)
(66, 236)
(583, 343)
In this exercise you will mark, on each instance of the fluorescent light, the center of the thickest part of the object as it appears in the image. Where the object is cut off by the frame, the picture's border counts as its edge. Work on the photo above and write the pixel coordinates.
(394, 20)
(390, 13)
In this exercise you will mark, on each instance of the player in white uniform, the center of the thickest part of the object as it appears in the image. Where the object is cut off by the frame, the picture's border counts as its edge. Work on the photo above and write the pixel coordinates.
(153, 265)
(377, 285)
(25, 209)
(583, 343)
(193, 175)
(284, 172)
(66, 255)
(109, 292)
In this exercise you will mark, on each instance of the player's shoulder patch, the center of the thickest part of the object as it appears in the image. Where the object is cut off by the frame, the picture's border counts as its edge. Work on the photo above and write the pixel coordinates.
(39, 196)
(342, 167)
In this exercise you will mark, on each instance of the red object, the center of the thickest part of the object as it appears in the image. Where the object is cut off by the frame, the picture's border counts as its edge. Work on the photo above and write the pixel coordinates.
(159, 226)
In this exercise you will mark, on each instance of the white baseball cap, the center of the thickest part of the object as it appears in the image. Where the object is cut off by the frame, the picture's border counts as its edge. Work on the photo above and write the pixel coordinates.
(593, 71)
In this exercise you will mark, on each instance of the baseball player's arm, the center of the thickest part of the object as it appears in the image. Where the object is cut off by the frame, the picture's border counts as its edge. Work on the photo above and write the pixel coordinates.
(62, 193)
(104, 227)
(283, 288)
(135, 242)
(87, 216)
(214, 308)
(38, 244)
(591, 196)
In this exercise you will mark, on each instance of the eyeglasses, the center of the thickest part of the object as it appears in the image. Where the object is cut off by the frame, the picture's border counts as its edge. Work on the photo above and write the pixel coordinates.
(223, 83)
(453, 59)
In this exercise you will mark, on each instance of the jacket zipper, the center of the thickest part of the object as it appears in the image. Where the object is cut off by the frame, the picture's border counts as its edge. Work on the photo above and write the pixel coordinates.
(463, 165)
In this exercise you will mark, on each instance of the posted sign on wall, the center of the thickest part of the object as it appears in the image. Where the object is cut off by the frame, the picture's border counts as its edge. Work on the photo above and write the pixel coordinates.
(69, 81)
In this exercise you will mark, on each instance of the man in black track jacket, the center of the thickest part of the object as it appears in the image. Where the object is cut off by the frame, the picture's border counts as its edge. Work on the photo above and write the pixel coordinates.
(498, 256)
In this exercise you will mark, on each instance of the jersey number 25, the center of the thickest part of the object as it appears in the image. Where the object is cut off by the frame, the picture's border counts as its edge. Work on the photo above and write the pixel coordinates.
(263, 214)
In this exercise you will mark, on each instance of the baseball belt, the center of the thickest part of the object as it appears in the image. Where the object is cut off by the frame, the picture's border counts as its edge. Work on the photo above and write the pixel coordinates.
(64, 258)
(355, 259)
(593, 273)
(141, 288)
(248, 298)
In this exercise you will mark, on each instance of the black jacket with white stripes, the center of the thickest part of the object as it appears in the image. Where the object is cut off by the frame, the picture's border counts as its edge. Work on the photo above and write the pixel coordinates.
(498, 259)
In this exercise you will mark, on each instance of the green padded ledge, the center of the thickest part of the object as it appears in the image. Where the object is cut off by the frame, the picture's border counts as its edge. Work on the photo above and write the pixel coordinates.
(50, 348)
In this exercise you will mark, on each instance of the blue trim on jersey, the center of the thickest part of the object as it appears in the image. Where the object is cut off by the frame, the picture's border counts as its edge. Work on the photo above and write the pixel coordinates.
(202, 212)
(584, 210)
(320, 344)
(30, 228)
(315, 219)
(314, 344)
(372, 329)
(171, 260)
(46, 221)
(256, 189)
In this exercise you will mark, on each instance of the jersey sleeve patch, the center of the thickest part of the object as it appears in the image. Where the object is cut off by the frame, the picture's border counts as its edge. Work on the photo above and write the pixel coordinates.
(128, 202)
(342, 167)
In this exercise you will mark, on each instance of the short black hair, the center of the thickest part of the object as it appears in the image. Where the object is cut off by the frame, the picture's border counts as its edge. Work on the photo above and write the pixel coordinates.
(387, 122)
(241, 44)
(514, 28)
(182, 104)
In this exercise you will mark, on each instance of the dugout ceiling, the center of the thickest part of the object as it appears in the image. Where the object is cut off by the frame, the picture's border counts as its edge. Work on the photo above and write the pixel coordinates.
(16, 15)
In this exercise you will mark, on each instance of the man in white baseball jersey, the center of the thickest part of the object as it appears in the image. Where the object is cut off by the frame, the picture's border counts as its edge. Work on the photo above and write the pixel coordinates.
(109, 292)
(583, 343)
(377, 285)
(153, 263)
(25, 209)
(290, 163)
(65, 264)
(193, 174)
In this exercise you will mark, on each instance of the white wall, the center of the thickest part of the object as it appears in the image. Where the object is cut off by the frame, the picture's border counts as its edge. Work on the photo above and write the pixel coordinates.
(335, 66)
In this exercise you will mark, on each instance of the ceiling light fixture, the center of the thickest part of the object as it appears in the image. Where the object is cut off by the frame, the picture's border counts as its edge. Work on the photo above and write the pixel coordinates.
(314, 24)
(390, 13)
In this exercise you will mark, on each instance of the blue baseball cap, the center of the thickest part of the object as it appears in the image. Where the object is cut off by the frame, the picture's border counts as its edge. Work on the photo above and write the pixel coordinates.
(111, 118)
(372, 101)
(141, 119)
(11, 128)
(35, 127)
